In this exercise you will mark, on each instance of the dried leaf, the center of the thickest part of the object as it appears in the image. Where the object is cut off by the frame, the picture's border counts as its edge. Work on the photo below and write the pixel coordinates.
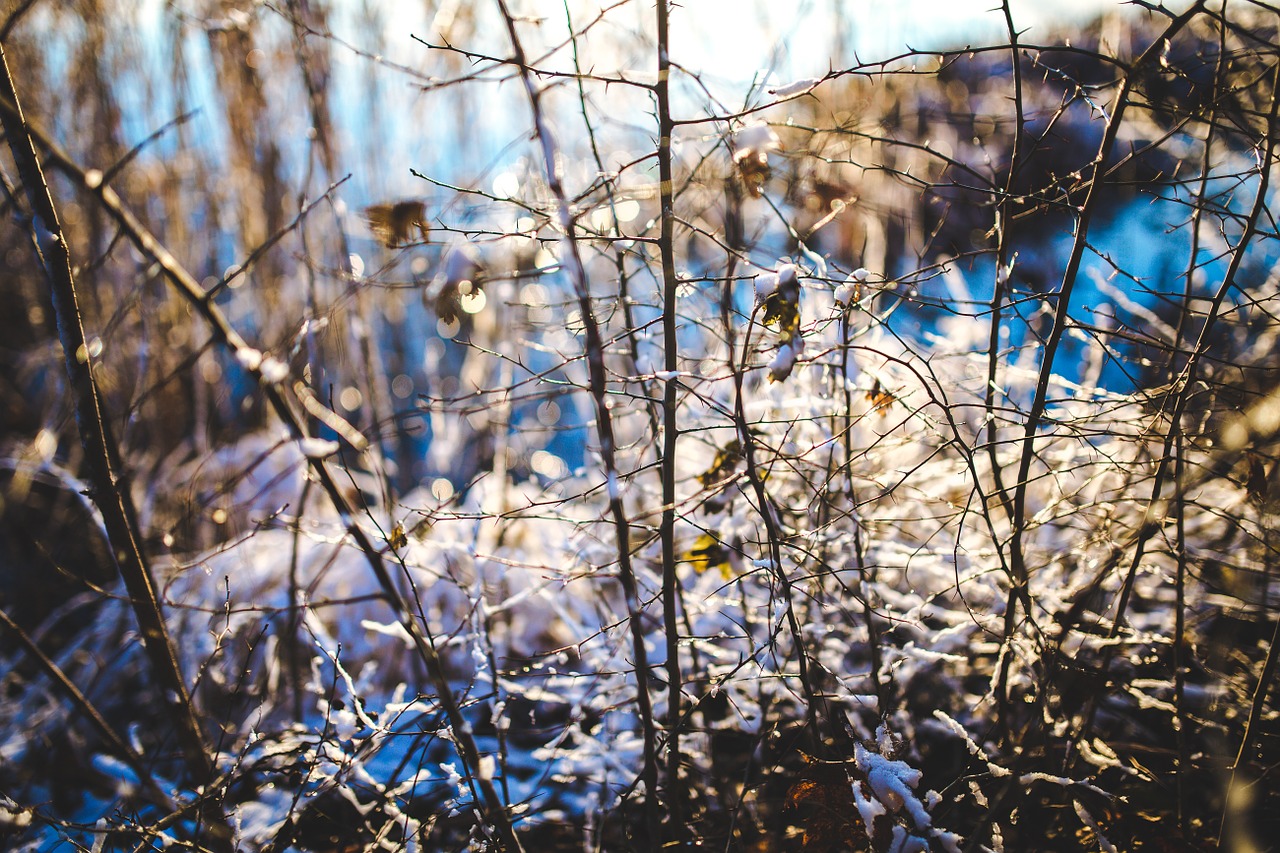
(754, 169)
(726, 462)
(753, 143)
(830, 818)
(394, 224)
(1256, 484)
(881, 399)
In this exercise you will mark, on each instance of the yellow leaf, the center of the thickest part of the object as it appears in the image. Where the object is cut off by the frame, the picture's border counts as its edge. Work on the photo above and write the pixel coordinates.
(398, 540)
(708, 552)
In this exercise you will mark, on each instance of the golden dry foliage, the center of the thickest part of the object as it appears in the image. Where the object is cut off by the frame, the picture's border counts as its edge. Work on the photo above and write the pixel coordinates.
(397, 539)
(753, 167)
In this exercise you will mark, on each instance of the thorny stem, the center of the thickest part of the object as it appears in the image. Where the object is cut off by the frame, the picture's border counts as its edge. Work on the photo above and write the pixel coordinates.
(631, 328)
(1179, 641)
(594, 347)
(620, 257)
(1174, 440)
(884, 688)
(1003, 217)
(670, 432)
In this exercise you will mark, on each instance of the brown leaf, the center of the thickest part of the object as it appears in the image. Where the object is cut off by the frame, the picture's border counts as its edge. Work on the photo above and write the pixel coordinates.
(830, 820)
(1256, 484)
(726, 463)
(394, 224)
(881, 399)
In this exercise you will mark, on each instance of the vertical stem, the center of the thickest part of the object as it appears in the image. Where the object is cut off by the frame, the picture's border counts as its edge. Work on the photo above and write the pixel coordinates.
(774, 533)
(1179, 497)
(670, 432)
(1191, 371)
(1155, 508)
(1004, 215)
(1181, 719)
